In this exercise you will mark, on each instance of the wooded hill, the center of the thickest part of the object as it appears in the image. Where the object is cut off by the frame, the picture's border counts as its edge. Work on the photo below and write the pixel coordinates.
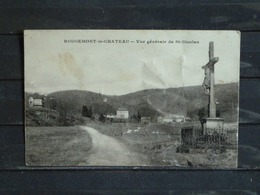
(185, 101)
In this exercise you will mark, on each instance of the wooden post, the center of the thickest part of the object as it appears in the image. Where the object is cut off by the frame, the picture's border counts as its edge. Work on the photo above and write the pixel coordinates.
(212, 123)
(212, 106)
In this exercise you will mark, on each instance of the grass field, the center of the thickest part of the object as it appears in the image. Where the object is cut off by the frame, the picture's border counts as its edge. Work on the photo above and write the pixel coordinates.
(71, 146)
(57, 146)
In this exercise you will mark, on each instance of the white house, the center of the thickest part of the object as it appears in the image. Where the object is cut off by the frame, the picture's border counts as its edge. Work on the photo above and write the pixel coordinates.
(110, 116)
(171, 118)
(122, 113)
(167, 120)
(35, 102)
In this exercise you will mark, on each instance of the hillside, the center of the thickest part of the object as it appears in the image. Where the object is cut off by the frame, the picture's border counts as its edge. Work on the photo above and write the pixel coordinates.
(154, 102)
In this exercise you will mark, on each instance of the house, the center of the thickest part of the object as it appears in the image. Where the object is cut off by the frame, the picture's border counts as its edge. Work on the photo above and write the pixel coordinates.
(109, 116)
(171, 118)
(179, 119)
(159, 119)
(167, 120)
(35, 102)
(122, 113)
(145, 120)
(187, 119)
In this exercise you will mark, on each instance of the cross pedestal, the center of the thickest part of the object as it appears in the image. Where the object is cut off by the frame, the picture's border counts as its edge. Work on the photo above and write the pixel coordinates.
(213, 123)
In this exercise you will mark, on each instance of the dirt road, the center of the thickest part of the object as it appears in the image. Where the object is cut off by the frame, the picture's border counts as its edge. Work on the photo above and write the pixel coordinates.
(108, 151)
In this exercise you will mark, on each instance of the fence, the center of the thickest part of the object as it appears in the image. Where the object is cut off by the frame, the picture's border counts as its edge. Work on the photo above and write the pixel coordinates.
(200, 138)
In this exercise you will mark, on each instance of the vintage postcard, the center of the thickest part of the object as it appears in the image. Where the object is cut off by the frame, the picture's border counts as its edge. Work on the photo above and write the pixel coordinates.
(131, 98)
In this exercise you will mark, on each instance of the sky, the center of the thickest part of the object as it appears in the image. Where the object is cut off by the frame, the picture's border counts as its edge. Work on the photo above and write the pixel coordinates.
(119, 68)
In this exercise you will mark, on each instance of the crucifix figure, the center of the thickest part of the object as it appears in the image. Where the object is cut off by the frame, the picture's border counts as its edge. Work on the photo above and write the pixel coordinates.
(209, 80)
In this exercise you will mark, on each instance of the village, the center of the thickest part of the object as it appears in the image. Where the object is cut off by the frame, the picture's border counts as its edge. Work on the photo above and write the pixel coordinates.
(46, 109)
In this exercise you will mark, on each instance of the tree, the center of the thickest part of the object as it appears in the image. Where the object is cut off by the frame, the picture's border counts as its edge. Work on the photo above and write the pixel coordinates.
(202, 116)
(102, 118)
(85, 111)
(202, 113)
(65, 113)
(53, 104)
(89, 113)
(134, 118)
(139, 116)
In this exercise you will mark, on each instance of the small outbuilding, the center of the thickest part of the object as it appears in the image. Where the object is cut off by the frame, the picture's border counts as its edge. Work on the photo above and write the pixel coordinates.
(145, 120)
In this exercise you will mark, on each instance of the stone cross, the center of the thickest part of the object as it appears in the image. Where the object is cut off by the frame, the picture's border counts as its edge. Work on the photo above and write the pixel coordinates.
(209, 68)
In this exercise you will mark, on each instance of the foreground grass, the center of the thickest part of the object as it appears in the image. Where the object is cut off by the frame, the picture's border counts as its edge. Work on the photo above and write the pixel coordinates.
(70, 146)
(57, 146)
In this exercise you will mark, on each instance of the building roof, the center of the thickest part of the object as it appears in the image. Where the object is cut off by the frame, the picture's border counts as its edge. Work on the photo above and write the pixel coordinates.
(122, 109)
(37, 96)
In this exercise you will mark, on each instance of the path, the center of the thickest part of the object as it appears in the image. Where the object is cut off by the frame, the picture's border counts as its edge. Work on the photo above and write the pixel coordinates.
(108, 151)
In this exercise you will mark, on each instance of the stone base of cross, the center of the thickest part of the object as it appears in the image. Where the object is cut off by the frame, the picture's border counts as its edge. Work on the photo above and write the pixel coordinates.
(213, 126)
